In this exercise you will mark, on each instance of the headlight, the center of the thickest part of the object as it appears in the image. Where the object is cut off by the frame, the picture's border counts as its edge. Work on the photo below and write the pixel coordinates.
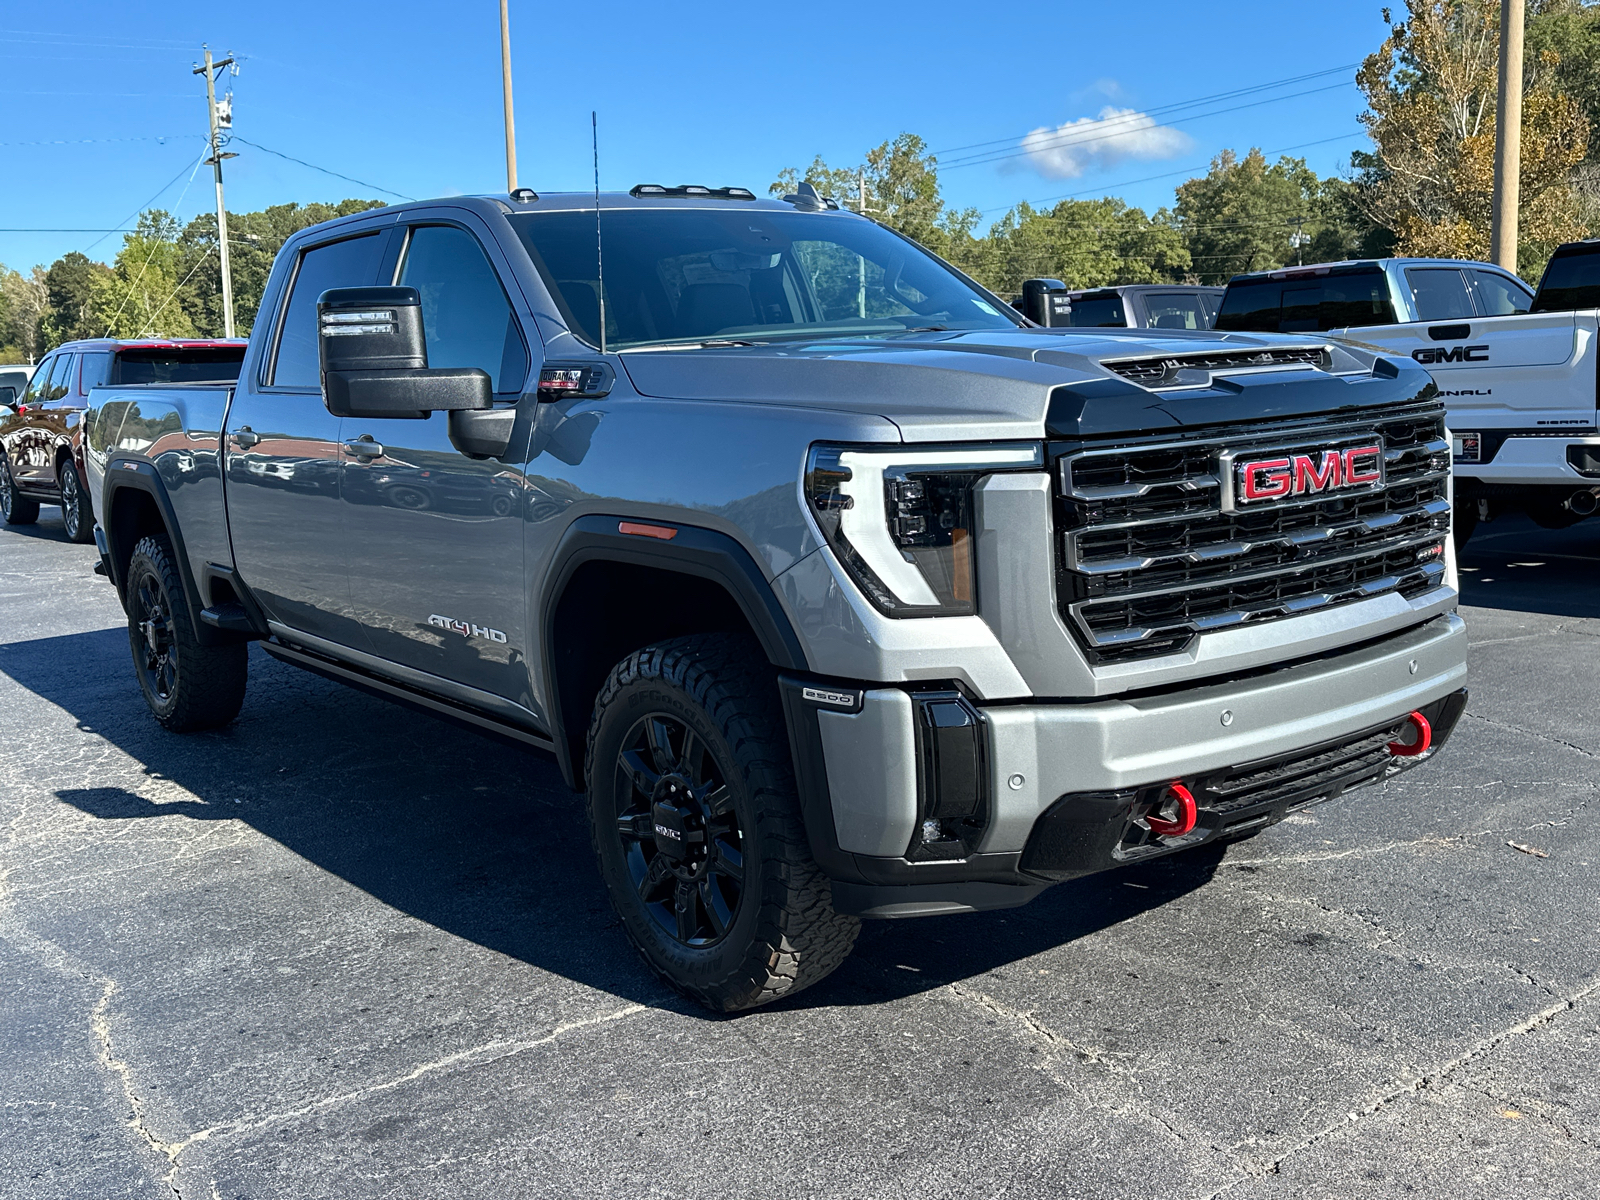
(900, 519)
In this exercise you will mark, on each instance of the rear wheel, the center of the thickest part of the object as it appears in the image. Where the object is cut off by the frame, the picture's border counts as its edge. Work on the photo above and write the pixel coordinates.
(14, 508)
(187, 686)
(696, 824)
(77, 517)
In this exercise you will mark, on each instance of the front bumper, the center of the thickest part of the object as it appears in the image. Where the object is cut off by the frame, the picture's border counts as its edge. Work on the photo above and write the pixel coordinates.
(862, 772)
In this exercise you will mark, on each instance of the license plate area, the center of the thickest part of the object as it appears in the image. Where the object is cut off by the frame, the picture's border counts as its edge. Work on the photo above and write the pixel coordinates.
(1466, 447)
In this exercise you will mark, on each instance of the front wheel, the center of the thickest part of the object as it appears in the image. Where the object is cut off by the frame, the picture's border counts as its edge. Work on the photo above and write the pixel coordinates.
(77, 517)
(187, 686)
(696, 823)
(15, 509)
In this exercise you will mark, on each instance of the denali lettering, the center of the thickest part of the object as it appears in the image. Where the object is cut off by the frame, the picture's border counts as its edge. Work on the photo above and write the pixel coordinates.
(1429, 355)
(466, 628)
(1301, 474)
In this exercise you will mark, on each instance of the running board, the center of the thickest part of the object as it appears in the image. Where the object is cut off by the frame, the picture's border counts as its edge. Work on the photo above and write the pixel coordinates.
(386, 689)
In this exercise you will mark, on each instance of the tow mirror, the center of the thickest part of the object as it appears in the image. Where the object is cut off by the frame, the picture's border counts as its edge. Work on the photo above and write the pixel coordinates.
(375, 359)
(1046, 302)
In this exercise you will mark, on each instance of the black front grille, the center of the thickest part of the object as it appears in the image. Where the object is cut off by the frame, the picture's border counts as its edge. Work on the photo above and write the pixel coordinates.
(1173, 370)
(1148, 558)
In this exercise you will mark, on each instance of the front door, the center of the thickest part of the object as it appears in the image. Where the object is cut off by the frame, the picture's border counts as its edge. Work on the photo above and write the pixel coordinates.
(282, 454)
(434, 538)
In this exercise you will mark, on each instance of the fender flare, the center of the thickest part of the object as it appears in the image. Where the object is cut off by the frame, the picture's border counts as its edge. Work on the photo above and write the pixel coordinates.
(694, 550)
(128, 473)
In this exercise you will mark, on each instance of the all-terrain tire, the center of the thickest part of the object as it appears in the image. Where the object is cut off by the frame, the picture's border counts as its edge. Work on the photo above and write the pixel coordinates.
(15, 509)
(77, 515)
(782, 933)
(187, 686)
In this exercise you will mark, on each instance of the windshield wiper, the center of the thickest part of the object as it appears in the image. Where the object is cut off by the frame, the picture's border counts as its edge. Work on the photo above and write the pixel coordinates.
(708, 344)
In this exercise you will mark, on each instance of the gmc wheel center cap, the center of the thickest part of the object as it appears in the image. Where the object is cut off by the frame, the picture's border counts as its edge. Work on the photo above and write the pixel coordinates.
(675, 821)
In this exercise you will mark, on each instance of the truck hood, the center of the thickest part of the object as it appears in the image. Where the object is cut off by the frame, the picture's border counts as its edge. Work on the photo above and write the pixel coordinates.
(1022, 384)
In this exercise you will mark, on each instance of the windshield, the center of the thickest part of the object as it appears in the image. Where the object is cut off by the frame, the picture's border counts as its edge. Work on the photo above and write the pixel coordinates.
(695, 274)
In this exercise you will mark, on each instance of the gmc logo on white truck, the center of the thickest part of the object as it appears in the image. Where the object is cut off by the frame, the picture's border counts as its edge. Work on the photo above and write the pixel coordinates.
(1429, 355)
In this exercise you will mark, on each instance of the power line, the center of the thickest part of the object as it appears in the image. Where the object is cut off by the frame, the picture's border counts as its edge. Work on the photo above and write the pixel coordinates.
(1064, 140)
(324, 170)
(1179, 104)
(1164, 175)
(135, 213)
(119, 229)
(154, 137)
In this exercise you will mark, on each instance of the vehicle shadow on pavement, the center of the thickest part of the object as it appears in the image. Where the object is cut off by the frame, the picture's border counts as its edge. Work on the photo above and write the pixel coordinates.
(1511, 563)
(480, 840)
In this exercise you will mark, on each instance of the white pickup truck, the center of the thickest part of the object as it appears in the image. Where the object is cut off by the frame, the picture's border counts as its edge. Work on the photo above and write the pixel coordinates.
(1518, 371)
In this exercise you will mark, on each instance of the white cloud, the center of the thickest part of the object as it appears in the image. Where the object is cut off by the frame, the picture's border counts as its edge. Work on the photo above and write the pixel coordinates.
(1092, 143)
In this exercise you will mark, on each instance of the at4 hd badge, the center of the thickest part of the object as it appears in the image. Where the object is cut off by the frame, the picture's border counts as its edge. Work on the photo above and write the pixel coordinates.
(466, 628)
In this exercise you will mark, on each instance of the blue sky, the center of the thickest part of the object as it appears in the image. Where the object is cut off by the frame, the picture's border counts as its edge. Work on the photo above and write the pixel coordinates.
(406, 96)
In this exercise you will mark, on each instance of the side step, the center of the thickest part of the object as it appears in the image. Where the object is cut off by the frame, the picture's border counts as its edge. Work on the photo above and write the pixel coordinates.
(387, 689)
(231, 617)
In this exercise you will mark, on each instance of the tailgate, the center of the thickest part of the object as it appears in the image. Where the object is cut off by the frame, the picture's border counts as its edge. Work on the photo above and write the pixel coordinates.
(1532, 371)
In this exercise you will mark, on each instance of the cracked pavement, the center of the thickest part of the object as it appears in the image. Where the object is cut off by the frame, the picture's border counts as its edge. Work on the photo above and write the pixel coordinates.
(343, 950)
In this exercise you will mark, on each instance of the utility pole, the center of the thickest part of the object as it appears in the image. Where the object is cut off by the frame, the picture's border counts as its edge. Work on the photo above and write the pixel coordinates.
(1298, 239)
(861, 262)
(218, 123)
(1508, 139)
(505, 87)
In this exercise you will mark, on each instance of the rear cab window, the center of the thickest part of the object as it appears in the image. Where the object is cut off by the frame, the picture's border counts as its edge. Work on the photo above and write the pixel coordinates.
(1336, 300)
(1571, 281)
(177, 364)
(1098, 312)
(1176, 310)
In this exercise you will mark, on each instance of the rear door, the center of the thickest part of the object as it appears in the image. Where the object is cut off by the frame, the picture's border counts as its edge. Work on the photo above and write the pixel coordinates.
(434, 538)
(34, 463)
(282, 456)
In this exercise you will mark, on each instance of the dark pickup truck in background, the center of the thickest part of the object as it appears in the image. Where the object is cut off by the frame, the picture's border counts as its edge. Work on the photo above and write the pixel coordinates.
(41, 451)
(838, 590)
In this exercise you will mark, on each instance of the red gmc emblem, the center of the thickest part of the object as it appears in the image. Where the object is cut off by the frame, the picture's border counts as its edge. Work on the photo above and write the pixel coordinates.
(1279, 477)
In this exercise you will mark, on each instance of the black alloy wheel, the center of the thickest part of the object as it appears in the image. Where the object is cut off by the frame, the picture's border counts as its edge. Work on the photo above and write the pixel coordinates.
(77, 518)
(155, 654)
(680, 834)
(697, 828)
(187, 685)
(15, 509)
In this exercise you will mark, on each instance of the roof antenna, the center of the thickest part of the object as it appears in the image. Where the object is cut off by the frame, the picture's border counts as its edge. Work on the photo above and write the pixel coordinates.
(599, 256)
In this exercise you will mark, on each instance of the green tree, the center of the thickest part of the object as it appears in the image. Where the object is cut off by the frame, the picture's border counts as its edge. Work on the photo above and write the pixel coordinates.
(23, 301)
(1239, 215)
(139, 297)
(1431, 91)
(1084, 243)
(69, 295)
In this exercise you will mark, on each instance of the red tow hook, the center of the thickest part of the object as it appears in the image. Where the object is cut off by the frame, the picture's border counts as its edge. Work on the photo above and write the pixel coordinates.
(1419, 733)
(1178, 801)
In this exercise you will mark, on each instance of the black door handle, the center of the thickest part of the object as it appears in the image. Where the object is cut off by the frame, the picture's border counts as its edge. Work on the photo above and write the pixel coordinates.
(244, 437)
(364, 447)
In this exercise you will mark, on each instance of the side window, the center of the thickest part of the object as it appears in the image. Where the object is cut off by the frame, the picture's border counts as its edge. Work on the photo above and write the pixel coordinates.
(1497, 295)
(465, 315)
(39, 382)
(96, 371)
(1440, 293)
(350, 263)
(61, 379)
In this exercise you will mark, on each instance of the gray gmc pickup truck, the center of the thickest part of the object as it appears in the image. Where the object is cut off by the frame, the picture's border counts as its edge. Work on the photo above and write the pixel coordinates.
(837, 588)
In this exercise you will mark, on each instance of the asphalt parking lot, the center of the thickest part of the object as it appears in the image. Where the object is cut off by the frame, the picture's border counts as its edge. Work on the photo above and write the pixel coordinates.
(340, 949)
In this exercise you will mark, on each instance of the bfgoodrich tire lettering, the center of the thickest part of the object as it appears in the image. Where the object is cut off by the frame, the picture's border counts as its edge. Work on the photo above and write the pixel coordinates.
(710, 871)
(187, 686)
